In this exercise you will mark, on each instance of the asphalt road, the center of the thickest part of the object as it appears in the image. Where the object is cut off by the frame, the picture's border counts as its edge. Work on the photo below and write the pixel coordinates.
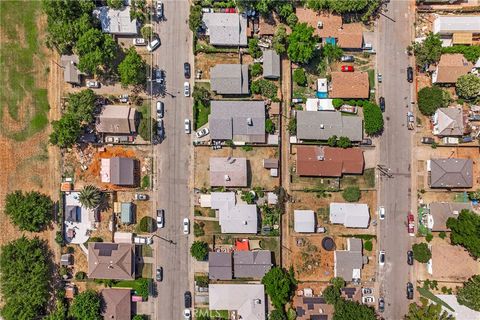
(172, 159)
(395, 153)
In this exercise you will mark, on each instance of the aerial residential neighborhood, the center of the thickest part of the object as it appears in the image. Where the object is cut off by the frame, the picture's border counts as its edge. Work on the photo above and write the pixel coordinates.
(240, 159)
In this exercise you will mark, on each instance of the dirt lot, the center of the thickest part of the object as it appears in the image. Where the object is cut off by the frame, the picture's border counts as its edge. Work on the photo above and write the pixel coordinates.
(258, 176)
(205, 61)
(310, 261)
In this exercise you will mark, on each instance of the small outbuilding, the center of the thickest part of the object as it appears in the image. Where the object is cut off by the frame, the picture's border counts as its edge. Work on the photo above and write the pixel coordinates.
(126, 212)
(304, 221)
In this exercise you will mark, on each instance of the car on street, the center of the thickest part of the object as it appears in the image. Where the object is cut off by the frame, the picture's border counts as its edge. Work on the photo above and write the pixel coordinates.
(381, 258)
(367, 291)
(381, 212)
(186, 70)
(139, 42)
(202, 133)
(347, 69)
(409, 291)
(154, 44)
(347, 59)
(381, 101)
(368, 299)
(160, 218)
(142, 240)
(159, 76)
(381, 304)
(141, 196)
(366, 142)
(160, 128)
(159, 274)
(379, 78)
(186, 89)
(187, 314)
(411, 224)
(159, 9)
(186, 226)
(410, 257)
(187, 297)
(93, 84)
(160, 109)
(187, 126)
(427, 140)
(410, 74)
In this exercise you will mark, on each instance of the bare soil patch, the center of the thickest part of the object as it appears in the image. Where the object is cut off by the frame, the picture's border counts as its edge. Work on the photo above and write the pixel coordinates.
(205, 61)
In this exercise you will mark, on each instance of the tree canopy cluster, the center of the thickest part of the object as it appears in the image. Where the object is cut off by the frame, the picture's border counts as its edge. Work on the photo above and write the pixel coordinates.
(469, 294)
(199, 250)
(87, 305)
(429, 51)
(373, 118)
(279, 285)
(471, 53)
(366, 7)
(132, 69)
(30, 211)
(300, 77)
(432, 98)
(96, 50)
(351, 194)
(279, 41)
(264, 87)
(421, 252)
(301, 43)
(468, 86)
(465, 230)
(426, 311)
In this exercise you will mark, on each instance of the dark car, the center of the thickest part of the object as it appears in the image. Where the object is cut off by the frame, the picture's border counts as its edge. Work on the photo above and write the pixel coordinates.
(381, 304)
(159, 274)
(188, 299)
(410, 257)
(159, 76)
(381, 101)
(366, 142)
(186, 70)
(410, 74)
(409, 291)
(427, 140)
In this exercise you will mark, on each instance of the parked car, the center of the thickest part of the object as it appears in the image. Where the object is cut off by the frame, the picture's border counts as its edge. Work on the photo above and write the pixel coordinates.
(139, 42)
(93, 84)
(187, 314)
(381, 212)
(160, 109)
(207, 10)
(186, 226)
(186, 70)
(202, 133)
(159, 274)
(141, 196)
(160, 128)
(187, 297)
(427, 140)
(160, 218)
(368, 299)
(230, 10)
(159, 76)
(381, 304)
(154, 44)
(366, 142)
(411, 224)
(381, 258)
(187, 126)
(123, 98)
(347, 59)
(379, 78)
(466, 139)
(347, 69)
(159, 9)
(381, 101)
(142, 240)
(186, 89)
(410, 74)
(367, 291)
(410, 257)
(409, 291)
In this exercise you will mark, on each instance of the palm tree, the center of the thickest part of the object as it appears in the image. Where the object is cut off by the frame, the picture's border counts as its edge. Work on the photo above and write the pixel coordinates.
(90, 197)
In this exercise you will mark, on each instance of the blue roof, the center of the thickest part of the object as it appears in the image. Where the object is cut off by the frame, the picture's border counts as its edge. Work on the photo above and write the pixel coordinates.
(330, 40)
(126, 212)
(322, 95)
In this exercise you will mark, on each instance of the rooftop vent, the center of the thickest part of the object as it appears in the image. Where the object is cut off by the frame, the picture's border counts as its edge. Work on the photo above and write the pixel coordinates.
(320, 25)
(227, 178)
(320, 158)
(249, 121)
(258, 301)
(322, 126)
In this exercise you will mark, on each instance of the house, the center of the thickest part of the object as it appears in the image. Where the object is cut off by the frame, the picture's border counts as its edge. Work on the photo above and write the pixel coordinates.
(271, 64)
(319, 161)
(314, 104)
(118, 171)
(331, 29)
(126, 212)
(220, 266)
(229, 79)
(79, 220)
(439, 212)
(251, 264)
(304, 221)
(247, 301)
(351, 215)
(321, 125)
(450, 173)
(241, 121)
(312, 307)
(348, 263)
(450, 68)
(71, 74)
(461, 311)
(116, 21)
(226, 29)
(449, 25)
(117, 119)
(449, 122)
(111, 261)
(117, 304)
(349, 85)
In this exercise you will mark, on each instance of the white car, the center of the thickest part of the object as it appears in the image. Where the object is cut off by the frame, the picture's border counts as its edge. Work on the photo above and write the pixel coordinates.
(367, 291)
(202, 133)
(381, 212)
(160, 218)
(93, 84)
(186, 89)
(381, 258)
(187, 126)
(187, 314)
(143, 240)
(186, 226)
(368, 299)
(154, 44)
(139, 42)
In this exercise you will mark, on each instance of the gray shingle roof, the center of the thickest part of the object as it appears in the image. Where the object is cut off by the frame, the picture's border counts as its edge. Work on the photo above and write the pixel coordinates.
(228, 172)
(271, 64)
(122, 171)
(321, 125)
(117, 119)
(226, 29)
(238, 121)
(451, 173)
(71, 74)
(220, 265)
(349, 262)
(251, 264)
(229, 79)
(449, 122)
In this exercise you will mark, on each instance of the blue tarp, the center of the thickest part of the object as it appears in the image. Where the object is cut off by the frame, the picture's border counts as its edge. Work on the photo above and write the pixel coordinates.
(330, 40)
(322, 95)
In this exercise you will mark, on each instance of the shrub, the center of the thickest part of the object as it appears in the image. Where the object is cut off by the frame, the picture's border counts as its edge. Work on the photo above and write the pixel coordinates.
(332, 141)
(30, 211)
(269, 126)
(468, 86)
(344, 142)
(421, 253)
(368, 245)
(432, 98)
(253, 48)
(80, 275)
(292, 126)
(300, 77)
(59, 238)
(337, 103)
(429, 237)
(198, 229)
(264, 87)
(256, 69)
(373, 118)
(147, 224)
(199, 250)
(351, 194)
(442, 235)
(248, 197)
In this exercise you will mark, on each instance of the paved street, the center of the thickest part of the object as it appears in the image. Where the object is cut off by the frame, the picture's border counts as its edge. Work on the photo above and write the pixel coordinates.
(171, 182)
(395, 154)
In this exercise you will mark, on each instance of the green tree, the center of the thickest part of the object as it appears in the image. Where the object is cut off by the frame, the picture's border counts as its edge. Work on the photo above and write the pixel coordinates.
(351, 194)
(429, 237)
(248, 197)
(147, 32)
(469, 294)
(426, 311)
(269, 126)
(442, 235)
(332, 52)
(147, 224)
(346, 6)
(279, 41)
(142, 288)
(337, 103)
(60, 312)
(277, 314)
(368, 245)
(253, 48)
(344, 142)
(195, 18)
(432, 98)
(279, 285)
(285, 9)
(24, 278)
(292, 20)
(468, 86)
(474, 195)
(65, 131)
(82, 105)
(292, 126)
(87, 305)
(429, 51)
(132, 69)
(353, 310)
(421, 253)
(115, 4)
(90, 197)
(139, 317)
(318, 5)
(373, 118)
(300, 77)
(471, 53)
(332, 141)
(264, 87)
(199, 250)
(264, 7)
(30, 211)
(465, 230)
(331, 294)
(97, 50)
(301, 43)
(256, 69)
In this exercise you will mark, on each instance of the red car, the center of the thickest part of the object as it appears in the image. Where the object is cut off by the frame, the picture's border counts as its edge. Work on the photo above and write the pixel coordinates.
(230, 10)
(411, 224)
(347, 69)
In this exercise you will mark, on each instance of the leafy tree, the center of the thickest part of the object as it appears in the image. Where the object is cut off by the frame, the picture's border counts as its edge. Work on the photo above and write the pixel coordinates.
(331, 294)
(338, 282)
(469, 294)
(332, 52)
(368, 245)
(147, 32)
(285, 9)
(346, 6)
(82, 105)
(269, 126)
(60, 312)
(96, 50)
(471, 53)
(332, 141)
(292, 126)
(87, 305)
(337, 103)
(277, 314)
(195, 18)
(264, 7)
(373, 118)
(426, 311)
(429, 51)
(442, 235)
(142, 288)
(248, 197)
(299, 77)
(344, 142)
(139, 317)
(30, 211)
(432, 98)
(421, 253)
(115, 4)
(65, 131)
(279, 40)
(468, 86)
(253, 48)
(256, 69)
(465, 230)
(353, 310)
(301, 43)
(429, 237)
(292, 20)
(132, 69)
(318, 5)
(199, 250)
(351, 194)
(24, 278)
(279, 285)
(264, 87)
(90, 197)
(147, 224)
(474, 195)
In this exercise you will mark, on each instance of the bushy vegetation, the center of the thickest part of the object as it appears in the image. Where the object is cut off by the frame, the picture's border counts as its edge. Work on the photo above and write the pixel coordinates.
(465, 230)
(97, 51)
(352, 194)
(373, 118)
(132, 69)
(421, 253)
(256, 69)
(199, 250)
(300, 77)
(264, 87)
(301, 43)
(30, 211)
(426, 310)
(332, 52)
(366, 7)
(469, 294)
(253, 48)
(429, 51)
(432, 98)
(468, 86)
(279, 41)
(87, 305)
(147, 224)
(471, 53)
(195, 18)
(279, 285)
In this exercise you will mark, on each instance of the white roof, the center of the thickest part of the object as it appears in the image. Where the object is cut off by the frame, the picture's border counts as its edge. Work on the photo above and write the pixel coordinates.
(83, 224)
(322, 85)
(351, 215)
(247, 299)
(314, 104)
(452, 24)
(304, 220)
(461, 312)
(123, 237)
(233, 217)
(116, 21)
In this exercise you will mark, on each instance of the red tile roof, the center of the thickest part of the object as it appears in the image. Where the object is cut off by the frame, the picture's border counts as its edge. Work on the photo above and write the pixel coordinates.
(336, 161)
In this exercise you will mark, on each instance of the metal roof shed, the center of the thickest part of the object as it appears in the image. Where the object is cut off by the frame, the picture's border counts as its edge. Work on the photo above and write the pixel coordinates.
(304, 221)
(271, 64)
(351, 215)
(126, 212)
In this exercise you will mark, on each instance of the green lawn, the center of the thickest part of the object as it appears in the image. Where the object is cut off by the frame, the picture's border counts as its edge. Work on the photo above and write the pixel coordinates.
(429, 295)
(371, 78)
(18, 67)
(201, 113)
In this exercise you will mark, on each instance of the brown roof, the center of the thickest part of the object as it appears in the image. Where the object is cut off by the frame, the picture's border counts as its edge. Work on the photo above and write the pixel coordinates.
(111, 261)
(117, 304)
(348, 35)
(116, 119)
(336, 161)
(268, 25)
(451, 67)
(349, 85)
